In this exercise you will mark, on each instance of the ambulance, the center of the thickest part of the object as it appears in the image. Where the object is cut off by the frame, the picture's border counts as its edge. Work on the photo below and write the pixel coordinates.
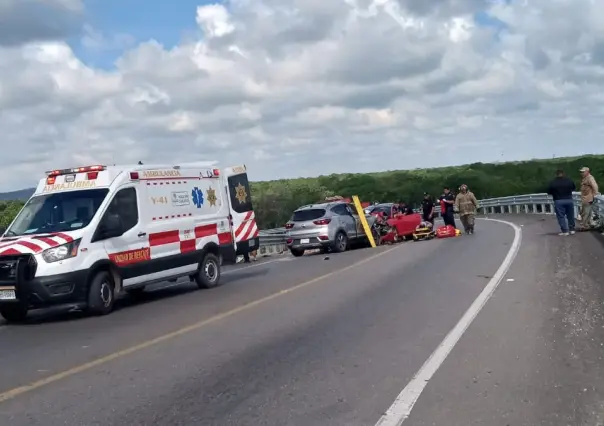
(90, 233)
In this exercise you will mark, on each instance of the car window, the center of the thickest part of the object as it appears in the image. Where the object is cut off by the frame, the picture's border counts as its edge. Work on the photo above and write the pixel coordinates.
(341, 210)
(308, 214)
(125, 205)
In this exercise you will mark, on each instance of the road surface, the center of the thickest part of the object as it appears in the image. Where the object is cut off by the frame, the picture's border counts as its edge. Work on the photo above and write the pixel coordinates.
(315, 341)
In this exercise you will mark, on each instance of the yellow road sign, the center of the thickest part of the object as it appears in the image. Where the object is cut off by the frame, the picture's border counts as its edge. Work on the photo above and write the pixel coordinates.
(363, 219)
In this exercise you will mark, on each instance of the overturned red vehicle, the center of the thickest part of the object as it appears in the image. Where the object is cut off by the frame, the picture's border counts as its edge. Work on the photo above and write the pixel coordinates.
(393, 226)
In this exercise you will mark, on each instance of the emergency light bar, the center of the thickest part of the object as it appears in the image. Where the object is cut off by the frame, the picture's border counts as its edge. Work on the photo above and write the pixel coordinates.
(92, 172)
(76, 170)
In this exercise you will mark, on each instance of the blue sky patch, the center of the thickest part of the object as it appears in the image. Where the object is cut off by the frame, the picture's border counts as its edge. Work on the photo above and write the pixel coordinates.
(129, 22)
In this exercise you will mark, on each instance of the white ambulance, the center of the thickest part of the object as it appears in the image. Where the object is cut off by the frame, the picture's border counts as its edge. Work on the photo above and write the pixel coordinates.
(90, 233)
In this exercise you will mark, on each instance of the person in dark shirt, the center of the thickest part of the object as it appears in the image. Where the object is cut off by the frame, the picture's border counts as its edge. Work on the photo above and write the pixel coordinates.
(428, 209)
(404, 209)
(447, 201)
(561, 189)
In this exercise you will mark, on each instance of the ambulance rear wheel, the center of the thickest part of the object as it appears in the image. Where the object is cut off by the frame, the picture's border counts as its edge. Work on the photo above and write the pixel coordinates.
(14, 312)
(208, 275)
(101, 294)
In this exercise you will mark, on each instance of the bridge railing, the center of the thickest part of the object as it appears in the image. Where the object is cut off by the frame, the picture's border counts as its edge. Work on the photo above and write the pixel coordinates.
(536, 204)
(273, 240)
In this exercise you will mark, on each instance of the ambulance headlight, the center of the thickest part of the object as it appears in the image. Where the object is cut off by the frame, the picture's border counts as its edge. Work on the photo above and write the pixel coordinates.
(65, 251)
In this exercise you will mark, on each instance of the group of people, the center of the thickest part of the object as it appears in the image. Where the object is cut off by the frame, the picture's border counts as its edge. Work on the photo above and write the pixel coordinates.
(561, 189)
(464, 202)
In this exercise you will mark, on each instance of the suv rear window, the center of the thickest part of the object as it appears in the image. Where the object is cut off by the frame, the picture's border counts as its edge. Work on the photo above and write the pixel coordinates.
(308, 214)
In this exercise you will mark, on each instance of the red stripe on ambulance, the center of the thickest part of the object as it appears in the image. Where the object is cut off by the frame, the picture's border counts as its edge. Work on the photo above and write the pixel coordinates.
(206, 230)
(187, 246)
(52, 243)
(9, 251)
(225, 238)
(66, 237)
(240, 228)
(29, 245)
(166, 237)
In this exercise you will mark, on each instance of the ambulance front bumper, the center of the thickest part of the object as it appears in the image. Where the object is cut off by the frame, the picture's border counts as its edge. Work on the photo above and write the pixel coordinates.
(59, 289)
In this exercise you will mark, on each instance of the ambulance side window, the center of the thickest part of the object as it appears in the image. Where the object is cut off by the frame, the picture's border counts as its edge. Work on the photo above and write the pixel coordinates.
(124, 205)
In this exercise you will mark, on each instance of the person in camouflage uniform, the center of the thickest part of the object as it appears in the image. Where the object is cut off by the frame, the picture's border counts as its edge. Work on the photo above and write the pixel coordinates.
(466, 204)
(589, 190)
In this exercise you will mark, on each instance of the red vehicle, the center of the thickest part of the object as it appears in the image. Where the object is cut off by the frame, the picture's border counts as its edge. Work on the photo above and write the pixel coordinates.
(401, 226)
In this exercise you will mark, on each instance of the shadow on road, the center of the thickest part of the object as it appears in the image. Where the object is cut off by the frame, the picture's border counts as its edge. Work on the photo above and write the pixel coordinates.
(126, 301)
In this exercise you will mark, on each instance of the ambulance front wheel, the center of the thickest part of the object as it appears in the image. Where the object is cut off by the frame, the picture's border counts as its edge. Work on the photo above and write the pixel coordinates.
(14, 312)
(208, 275)
(101, 294)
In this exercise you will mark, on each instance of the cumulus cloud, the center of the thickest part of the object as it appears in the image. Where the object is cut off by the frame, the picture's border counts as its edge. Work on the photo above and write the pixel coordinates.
(304, 87)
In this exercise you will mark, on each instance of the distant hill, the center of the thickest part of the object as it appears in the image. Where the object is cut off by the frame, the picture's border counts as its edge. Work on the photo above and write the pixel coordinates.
(22, 195)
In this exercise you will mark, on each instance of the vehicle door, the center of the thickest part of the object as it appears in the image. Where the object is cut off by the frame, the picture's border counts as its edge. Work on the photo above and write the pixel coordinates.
(245, 228)
(129, 251)
(345, 219)
(357, 226)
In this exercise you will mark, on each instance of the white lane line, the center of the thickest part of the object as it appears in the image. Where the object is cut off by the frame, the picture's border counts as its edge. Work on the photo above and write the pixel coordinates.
(401, 408)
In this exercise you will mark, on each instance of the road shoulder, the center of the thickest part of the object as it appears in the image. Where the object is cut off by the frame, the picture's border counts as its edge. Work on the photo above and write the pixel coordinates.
(534, 354)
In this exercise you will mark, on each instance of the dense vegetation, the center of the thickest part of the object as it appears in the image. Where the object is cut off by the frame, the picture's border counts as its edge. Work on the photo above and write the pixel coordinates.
(275, 200)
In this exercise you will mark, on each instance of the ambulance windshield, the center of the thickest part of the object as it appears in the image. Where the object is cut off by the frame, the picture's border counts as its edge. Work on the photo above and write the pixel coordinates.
(58, 212)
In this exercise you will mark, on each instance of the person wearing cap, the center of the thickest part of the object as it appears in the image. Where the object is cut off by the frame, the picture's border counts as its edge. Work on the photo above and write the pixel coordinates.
(561, 189)
(428, 209)
(447, 202)
(466, 204)
(589, 190)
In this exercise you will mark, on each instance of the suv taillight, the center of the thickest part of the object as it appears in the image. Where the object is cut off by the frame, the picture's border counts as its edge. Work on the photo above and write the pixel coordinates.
(289, 225)
(322, 221)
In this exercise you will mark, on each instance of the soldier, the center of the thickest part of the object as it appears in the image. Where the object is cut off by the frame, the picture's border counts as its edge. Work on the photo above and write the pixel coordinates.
(589, 190)
(466, 204)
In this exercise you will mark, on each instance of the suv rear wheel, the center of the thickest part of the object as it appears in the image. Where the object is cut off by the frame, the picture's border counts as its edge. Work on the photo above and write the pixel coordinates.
(341, 243)
(297, 252)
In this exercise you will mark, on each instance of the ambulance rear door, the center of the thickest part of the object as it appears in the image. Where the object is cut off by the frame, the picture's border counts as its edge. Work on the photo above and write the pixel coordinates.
(245, 229)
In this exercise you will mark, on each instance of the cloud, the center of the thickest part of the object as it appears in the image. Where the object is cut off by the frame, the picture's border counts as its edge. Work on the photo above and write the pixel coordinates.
(24, 21)
(304, 87)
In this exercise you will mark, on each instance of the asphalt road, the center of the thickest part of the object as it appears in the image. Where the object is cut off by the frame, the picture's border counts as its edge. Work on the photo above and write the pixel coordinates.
(315, 341)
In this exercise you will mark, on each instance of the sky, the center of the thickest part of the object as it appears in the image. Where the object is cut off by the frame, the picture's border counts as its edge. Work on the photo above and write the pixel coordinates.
(297, 87)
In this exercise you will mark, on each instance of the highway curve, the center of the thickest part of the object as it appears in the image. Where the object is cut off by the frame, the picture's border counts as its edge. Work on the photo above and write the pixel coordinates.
(315, 341)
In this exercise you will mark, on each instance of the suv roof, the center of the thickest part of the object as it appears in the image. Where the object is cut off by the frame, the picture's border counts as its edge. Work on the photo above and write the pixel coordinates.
(323, 205)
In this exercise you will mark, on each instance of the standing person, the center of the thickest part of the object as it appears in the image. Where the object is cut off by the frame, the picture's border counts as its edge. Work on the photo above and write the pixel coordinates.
(428, 209)
(466, 204)
(447, 202)
(561, 189)
(589, 190)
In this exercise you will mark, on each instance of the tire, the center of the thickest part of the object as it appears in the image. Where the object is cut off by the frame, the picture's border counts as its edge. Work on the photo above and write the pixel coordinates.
(101, 294)
(341, 243)
(297, 252)
(14, 312)
(208, 274)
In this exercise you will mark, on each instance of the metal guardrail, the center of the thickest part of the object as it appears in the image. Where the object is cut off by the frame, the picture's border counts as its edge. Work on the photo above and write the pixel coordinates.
(538, 204)
(273, 240)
